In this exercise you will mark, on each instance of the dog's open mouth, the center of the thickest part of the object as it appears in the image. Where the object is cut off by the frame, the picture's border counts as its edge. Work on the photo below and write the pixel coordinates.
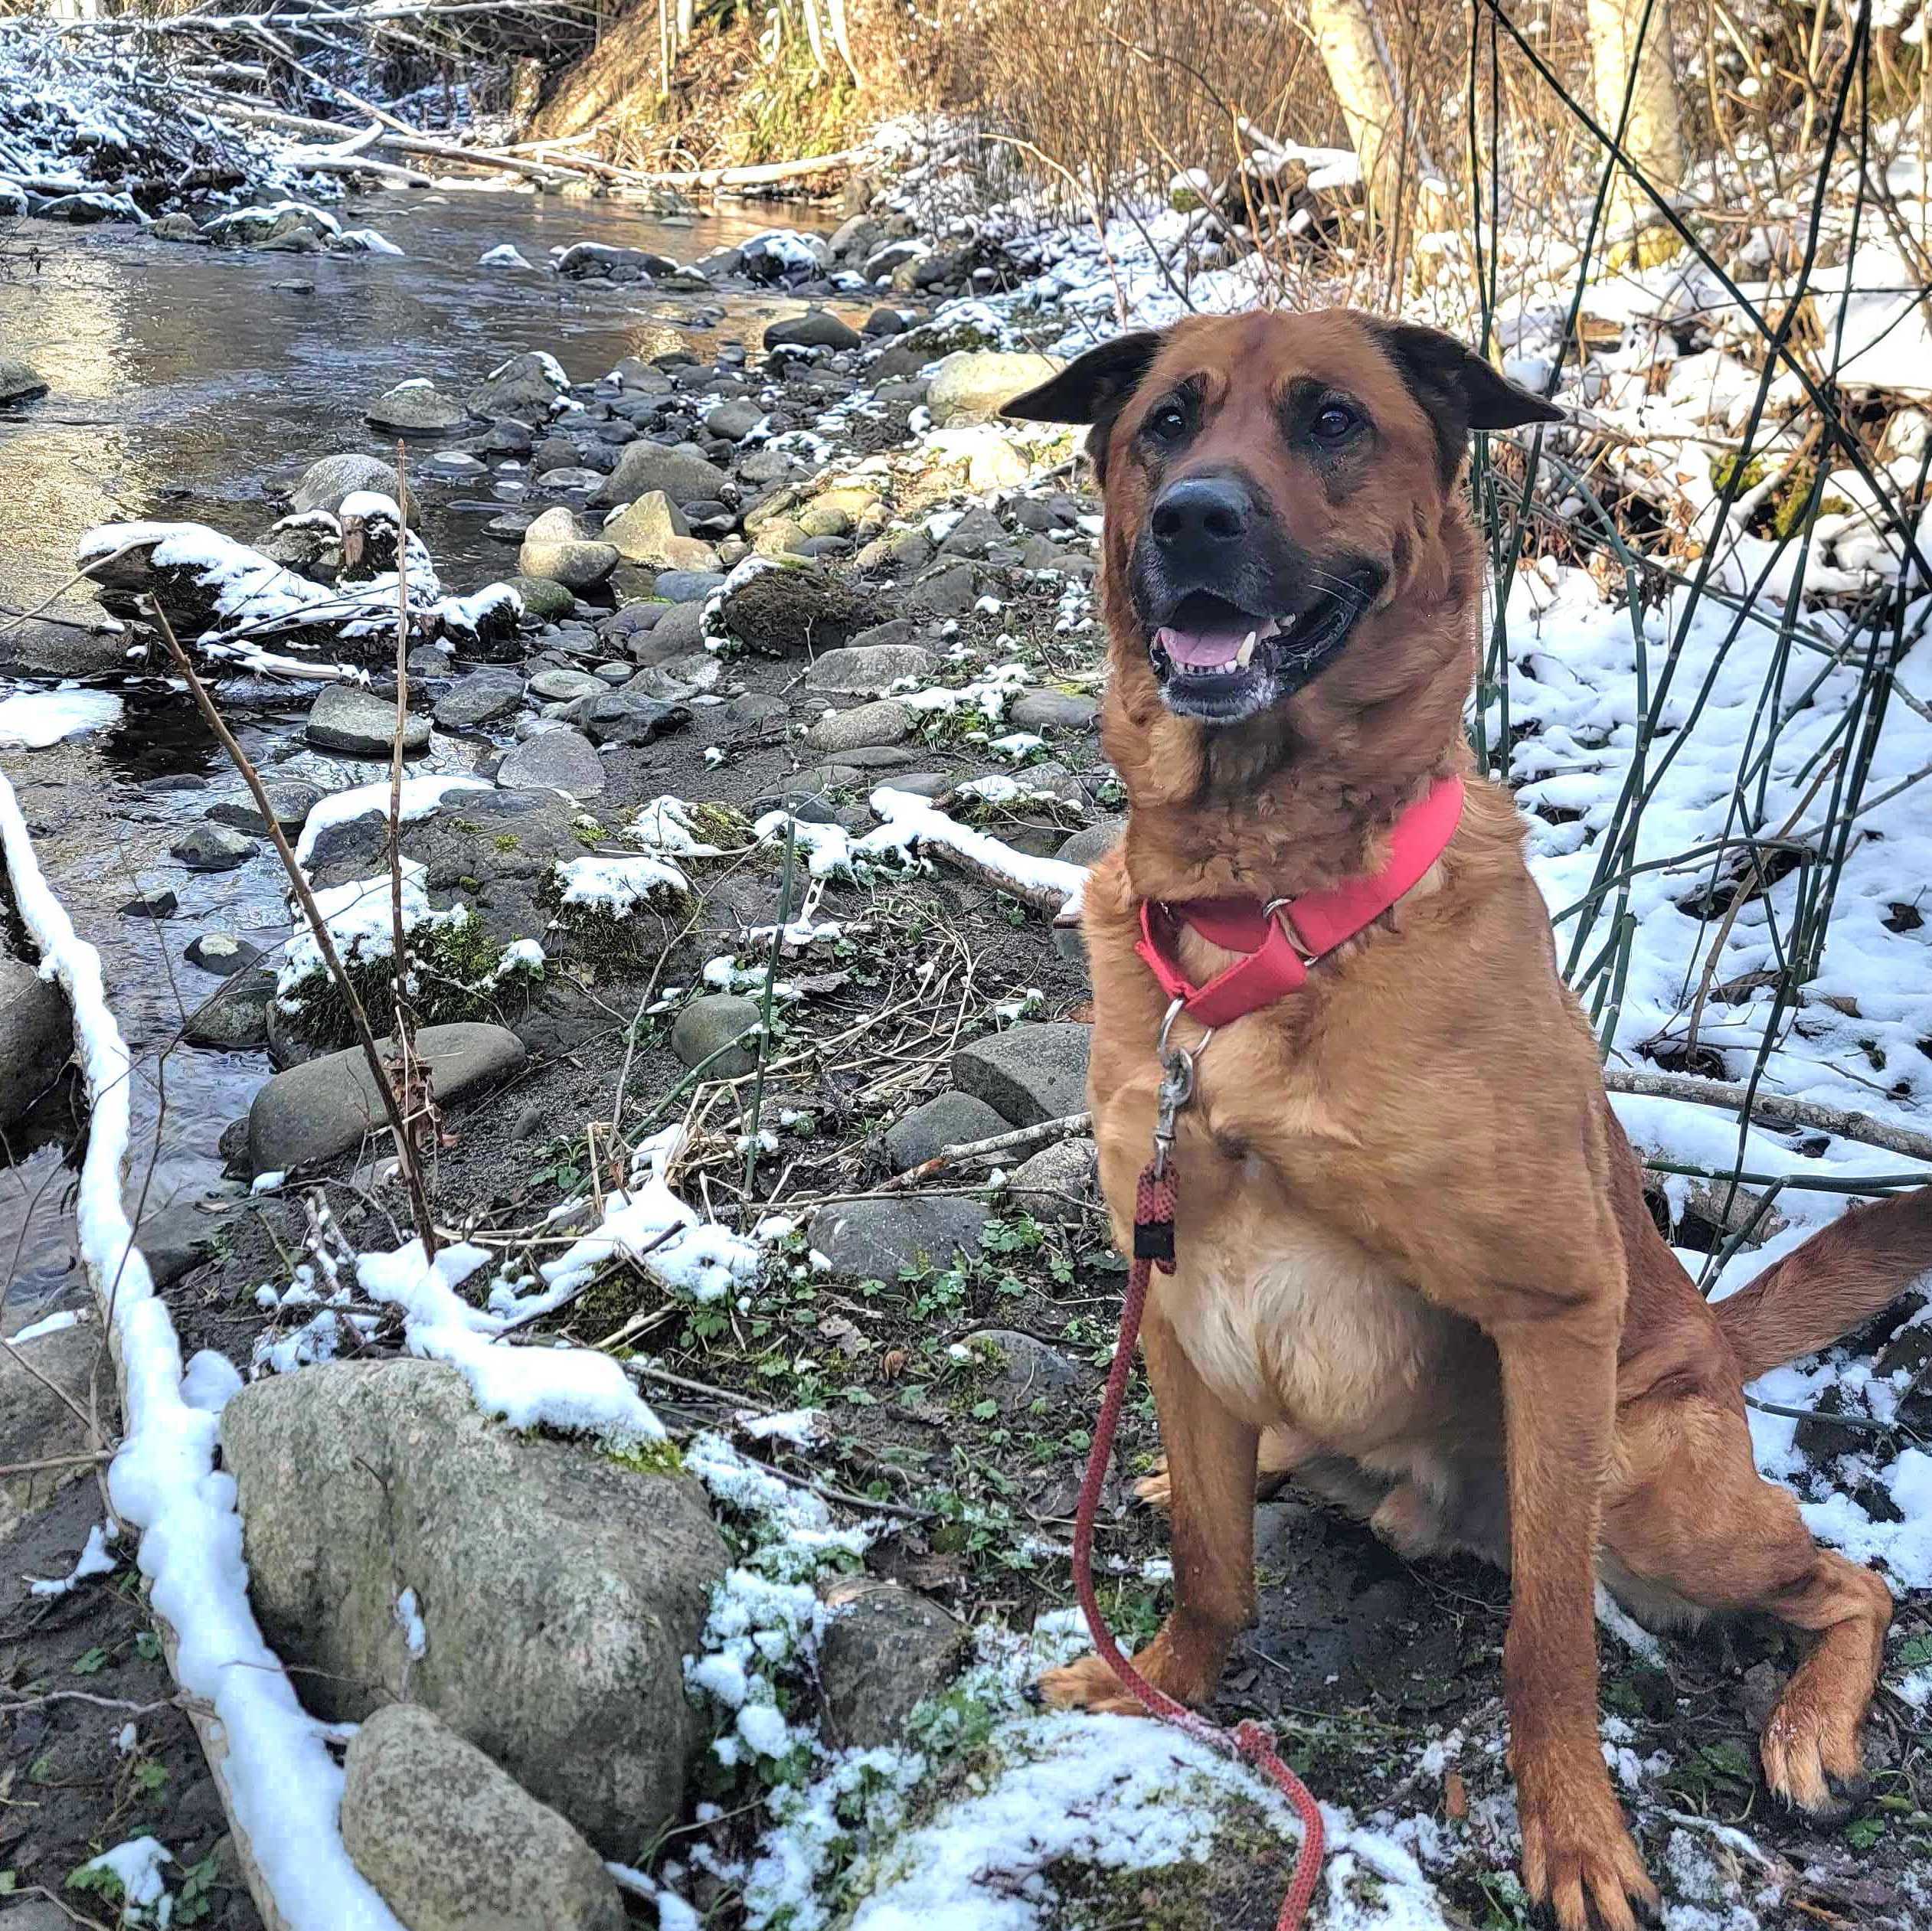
(1220, 663)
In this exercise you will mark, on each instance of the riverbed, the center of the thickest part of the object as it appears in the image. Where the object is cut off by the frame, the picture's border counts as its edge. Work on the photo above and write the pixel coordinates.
(194, 383)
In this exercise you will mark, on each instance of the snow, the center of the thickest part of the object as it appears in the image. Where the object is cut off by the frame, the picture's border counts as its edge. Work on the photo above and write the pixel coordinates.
(30, 720)
(67, 1317)
(650, 1226)
(420, 797)
(409, 1620)
(284, 1787)
(619, 883)
(570, 1389)
(95, 1559)
(137, 1866)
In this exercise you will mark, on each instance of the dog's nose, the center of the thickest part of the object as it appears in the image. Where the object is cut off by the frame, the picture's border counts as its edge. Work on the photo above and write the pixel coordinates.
(1199, 518)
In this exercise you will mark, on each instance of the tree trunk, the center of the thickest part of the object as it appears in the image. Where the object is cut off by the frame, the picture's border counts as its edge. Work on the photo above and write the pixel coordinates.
(1359, 70)
(1653, 133)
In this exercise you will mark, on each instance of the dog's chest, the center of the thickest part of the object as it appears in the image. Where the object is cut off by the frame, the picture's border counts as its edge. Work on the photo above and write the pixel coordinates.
(1291, 1322)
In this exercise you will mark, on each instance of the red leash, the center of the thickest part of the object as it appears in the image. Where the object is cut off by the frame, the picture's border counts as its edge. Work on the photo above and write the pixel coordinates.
(1154, 1246)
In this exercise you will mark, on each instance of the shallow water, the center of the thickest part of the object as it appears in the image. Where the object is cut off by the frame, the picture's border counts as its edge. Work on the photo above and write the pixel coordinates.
(194, 383)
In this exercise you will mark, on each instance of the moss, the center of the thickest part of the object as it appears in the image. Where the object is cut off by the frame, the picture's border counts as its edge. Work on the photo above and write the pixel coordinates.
(720, 824)
(648, 1458)
(1724, 467)
(458, 973)
(507, 841)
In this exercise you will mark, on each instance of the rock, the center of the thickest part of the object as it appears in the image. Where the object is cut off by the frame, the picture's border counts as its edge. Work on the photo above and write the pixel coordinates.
(1059, 1185)
(784, 255)
(1045, 710)
(977, 533)
(360, 724)
(656, 534)
(176, 1240)
(150, 905)
(216, 952)
(526, 386)
(949, 1119)
(796, 607)
(555, 548)
(627, 717)
(816, 328)
(416, 408)
(734, 421)
(543, 598)
(560, 1592)
(290, 799)
(480, 698)
(234, 1019)
(1029, 1073)
(882, 322)
(1090, 846)
(312, 1112)
(1024, 1369)
(688, 585)
(680, 628)
(867, 670)
(563, 687)
(213, 847)
(36, 1036)
(20, 381)
(709, 1025)
(948, 592)
(886, 1650)
(878, 1240)
(455, 1844)
(35, 1914)
(647, 466)
(883, 722)
(562, 760)
(973, 385)
(38, 1380)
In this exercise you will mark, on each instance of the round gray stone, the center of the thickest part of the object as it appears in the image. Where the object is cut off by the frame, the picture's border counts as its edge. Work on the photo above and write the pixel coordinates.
(360, 724)
(710, 1023)
(865, 726)
(949, 1119)
(878, 1240)
(453, 1842)
(1028, 1072)
(1044, 710)
(560, 759)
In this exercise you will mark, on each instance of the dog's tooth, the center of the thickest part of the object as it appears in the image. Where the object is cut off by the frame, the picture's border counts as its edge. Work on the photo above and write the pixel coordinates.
(1245, 654)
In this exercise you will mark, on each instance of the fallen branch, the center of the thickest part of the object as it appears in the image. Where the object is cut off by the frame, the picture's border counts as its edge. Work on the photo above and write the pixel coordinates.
(1774, 1109)
(1022, 1139)
(318, 926)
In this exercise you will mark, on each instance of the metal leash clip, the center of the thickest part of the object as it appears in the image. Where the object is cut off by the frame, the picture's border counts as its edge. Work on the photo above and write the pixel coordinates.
(1176, 1087)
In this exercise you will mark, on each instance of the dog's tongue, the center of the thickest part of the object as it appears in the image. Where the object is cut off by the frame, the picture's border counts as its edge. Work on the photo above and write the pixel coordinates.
(1201, 650)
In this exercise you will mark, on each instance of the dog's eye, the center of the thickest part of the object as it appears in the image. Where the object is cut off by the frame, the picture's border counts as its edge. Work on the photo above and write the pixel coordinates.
(1334, 422)
(1169, 423)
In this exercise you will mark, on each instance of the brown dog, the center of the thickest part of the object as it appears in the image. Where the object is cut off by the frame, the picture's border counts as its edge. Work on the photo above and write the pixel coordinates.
(1416, 1268)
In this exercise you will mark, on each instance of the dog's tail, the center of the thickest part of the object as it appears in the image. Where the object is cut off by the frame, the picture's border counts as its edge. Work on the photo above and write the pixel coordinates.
(1843, 1275)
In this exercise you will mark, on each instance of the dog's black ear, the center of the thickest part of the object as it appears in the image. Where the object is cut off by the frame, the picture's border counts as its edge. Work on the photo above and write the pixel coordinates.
(1092, 386)
(1092, 389)
(1458, 390)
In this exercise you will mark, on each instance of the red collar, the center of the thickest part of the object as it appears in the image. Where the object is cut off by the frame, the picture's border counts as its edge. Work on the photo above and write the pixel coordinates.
(1282, 940)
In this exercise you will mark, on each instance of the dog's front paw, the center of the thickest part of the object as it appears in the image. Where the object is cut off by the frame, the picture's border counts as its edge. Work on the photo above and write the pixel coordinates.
(1183, 1664)
(1578, 1857)
(1087, 1684)
(1813, 1759)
